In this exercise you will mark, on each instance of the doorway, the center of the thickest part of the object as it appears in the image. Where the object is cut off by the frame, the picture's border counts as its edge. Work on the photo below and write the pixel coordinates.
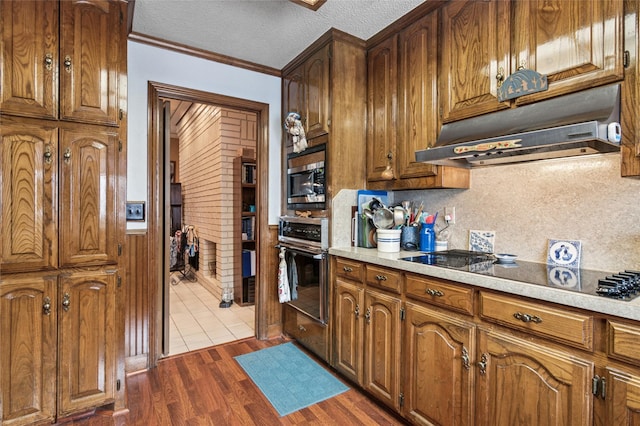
(158, 202)
(204, 142)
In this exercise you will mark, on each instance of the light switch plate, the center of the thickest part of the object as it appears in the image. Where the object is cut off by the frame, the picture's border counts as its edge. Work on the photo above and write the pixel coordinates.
(135, 210)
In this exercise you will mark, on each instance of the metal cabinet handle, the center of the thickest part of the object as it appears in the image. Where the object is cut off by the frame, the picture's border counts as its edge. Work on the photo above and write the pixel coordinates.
(527, 318)
(66, 302)
(500, 76)
(48, 155)
(483, 364)
(347, 269)
(465, 358)
(389, 155)
(367, 315)
(67, 155)
(381, 278)
(432, 292)
(301, 328)
(48, 61)
(67, 63)
(357, 311)
(46, 306)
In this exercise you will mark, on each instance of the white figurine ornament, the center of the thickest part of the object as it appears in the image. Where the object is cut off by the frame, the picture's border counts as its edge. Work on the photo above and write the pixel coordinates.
(293, 125)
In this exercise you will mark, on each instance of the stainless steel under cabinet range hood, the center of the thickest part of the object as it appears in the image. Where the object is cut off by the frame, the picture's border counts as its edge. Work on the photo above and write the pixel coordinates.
(580, 123)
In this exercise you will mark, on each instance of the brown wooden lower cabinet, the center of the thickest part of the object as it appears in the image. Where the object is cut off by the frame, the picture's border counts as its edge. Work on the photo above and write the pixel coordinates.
(436, 363)
(307, 331)
(59, 348)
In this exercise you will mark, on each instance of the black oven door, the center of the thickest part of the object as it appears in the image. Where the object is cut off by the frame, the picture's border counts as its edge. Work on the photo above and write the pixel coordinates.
(307, 272)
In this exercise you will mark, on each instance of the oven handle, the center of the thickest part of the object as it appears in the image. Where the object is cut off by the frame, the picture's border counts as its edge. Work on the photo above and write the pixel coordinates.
(313, 253)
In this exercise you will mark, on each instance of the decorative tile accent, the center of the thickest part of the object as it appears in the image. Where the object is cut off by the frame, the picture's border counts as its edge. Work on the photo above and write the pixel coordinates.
(564, 252)
(482, 241)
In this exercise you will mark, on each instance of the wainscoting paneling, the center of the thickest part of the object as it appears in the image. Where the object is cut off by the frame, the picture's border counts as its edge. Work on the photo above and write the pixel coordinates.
(136, 302)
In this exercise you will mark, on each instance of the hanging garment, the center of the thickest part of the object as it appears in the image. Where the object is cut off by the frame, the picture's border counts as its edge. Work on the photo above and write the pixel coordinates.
(283, 280)
(191, 245)
(293, 277)
(173, 251)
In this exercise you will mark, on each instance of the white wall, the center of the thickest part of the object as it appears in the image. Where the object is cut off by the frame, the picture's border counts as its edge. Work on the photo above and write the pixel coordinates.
(148, 63)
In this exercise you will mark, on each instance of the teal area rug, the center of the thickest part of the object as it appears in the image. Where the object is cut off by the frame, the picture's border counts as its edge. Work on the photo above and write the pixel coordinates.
(289, 378)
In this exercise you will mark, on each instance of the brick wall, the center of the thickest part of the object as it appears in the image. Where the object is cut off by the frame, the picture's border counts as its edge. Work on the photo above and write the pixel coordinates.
(209, 139)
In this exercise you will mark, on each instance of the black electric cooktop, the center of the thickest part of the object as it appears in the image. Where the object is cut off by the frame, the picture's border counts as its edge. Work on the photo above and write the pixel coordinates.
(623, 286)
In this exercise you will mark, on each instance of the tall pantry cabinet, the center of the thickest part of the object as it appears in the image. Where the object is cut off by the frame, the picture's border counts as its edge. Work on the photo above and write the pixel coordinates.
(62, 179)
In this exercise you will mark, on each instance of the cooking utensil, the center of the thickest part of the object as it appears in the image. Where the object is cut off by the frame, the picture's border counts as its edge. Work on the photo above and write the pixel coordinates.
(383, 218)
(398, 216)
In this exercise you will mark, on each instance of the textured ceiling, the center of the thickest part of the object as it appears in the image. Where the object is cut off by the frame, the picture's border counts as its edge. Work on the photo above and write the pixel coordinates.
(266, 32)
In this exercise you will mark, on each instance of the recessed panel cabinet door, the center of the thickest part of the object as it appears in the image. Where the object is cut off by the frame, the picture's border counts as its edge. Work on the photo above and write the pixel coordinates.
(475, 54)
(520, 382)
(293, 99)
(28, 323)
(28, 178)
(87, 341)
(88, 214)
(317, 93)
(382, 347)
(622, 398)
(89, 56)
(349, 314)
(438, 374)
(418, 116)
(29, 58)
(576, 44)
(382, 99)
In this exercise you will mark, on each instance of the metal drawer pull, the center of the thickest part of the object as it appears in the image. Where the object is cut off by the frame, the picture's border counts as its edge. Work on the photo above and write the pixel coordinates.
(48, 61)
(527, 318)
(301, 328)
(367, 315)
(483, 364)
(357, 311)
(347, 269)
(67, 63)
(381, 278)
(432, 292)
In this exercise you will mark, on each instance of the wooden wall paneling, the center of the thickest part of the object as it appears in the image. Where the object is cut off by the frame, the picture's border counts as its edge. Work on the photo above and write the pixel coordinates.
(268, 296)
(136, 301)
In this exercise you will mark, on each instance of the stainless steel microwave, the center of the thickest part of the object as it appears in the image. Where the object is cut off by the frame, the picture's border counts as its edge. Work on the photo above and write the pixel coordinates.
(306, 179)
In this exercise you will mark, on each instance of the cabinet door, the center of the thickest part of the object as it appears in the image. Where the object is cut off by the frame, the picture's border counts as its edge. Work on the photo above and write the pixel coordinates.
(89, 61)
(382, 99)
(293, 99)
(418, 95)
(438, 377)
(520, 382)
(29, 58)
(475, 52)
(28, 196)
(622, 399)
(87, 340)
(349, 309)
(28, 318)
(317, 92)
(382, 347)
(576, 44)
(88, 217)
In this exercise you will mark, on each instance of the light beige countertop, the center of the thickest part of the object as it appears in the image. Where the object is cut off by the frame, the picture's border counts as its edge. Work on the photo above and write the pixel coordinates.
(623, 309)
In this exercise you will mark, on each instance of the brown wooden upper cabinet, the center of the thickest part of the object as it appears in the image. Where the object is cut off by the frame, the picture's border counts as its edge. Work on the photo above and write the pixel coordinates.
(306, 91)
(67, 50)
(402, 110)
(576, 44)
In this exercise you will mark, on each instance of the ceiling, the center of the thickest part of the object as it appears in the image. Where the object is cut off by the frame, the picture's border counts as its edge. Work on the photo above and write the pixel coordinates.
(264, 32)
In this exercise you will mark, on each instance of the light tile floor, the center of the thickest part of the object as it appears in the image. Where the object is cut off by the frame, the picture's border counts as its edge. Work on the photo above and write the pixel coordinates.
(197, 321)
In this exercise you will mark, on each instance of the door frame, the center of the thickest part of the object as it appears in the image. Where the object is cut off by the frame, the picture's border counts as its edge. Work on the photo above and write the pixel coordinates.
(156, 91)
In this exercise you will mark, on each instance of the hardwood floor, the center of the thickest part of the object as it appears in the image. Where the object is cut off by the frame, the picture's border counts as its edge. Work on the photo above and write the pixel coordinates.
(208, 387)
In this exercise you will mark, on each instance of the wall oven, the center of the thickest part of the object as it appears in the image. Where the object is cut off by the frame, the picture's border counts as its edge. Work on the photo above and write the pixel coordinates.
(306, 179)
(306, 242)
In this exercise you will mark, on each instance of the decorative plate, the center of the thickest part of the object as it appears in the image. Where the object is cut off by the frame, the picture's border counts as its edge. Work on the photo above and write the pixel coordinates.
(565, 253)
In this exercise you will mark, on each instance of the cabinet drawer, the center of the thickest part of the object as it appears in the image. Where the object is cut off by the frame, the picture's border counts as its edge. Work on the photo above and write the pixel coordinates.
(567, 327)
(440, 292)
(349, 269)
(384, 278)
(623, 341)
(308, 332)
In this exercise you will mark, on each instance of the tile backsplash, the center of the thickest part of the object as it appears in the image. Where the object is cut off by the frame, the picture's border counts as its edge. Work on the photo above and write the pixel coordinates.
(581, 198)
